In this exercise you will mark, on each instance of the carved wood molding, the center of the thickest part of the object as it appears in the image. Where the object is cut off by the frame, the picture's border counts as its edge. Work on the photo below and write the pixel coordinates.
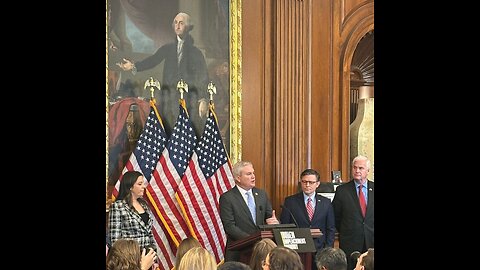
(290, 94)
(356, 25)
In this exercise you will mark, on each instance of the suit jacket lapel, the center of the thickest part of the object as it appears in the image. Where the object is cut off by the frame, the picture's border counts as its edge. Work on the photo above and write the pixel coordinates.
(241, 201)
(134, 215)
(370, 195)
(316, 211)
(255, 199)
(353, 193)
(303, 207)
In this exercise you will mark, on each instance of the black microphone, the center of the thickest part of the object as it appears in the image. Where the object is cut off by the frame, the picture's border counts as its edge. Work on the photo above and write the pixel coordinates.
(291, 214)
(355, 255)
(263, 215)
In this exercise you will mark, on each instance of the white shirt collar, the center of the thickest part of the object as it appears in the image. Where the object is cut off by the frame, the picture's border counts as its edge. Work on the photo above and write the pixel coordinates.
(242, 191)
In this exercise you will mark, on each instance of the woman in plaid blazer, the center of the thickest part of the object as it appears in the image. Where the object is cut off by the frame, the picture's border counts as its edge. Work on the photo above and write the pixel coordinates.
(130, 217)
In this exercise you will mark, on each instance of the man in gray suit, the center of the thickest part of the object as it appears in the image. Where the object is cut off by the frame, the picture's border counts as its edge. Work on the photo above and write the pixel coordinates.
(353, 205)
(239, 217)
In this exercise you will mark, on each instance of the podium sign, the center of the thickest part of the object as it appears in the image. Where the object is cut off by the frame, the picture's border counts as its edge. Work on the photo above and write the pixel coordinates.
(298, 239)
(291, 235)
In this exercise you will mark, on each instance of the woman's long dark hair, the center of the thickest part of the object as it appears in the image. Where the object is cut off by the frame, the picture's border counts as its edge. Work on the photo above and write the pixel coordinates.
(127, 182)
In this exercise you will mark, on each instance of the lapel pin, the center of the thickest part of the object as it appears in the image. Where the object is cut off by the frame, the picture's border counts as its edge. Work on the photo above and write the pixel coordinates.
(256, 194)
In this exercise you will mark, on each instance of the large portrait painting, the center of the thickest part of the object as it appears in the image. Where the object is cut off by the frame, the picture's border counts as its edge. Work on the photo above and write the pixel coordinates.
(198, 42)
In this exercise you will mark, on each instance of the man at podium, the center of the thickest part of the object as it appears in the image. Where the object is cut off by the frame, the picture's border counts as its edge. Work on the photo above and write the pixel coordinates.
(307, 209)
(244, 207)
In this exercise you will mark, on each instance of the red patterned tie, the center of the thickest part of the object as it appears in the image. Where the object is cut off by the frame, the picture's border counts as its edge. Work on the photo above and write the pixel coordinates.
(310, 208)
(361, 198)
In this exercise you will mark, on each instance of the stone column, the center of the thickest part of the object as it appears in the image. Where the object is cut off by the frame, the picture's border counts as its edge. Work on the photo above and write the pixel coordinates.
(361, 129)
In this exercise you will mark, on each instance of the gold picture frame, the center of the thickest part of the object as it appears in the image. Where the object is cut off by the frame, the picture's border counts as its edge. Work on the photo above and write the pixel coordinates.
(235, 77)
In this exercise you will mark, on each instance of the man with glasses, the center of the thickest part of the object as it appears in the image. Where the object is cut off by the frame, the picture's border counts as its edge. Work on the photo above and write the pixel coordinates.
(308, 209)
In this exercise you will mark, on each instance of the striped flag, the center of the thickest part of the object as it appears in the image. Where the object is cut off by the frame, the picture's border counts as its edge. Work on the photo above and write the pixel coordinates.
(209, 174)
(167, 175)
(149, 147)
(144, 158)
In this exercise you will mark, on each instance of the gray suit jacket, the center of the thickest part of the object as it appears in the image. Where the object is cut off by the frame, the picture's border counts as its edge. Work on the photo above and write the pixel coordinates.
(236, 218)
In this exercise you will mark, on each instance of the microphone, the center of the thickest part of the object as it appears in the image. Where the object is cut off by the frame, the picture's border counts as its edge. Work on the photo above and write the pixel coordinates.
(263, 215)
(291, 214)
(355, 255)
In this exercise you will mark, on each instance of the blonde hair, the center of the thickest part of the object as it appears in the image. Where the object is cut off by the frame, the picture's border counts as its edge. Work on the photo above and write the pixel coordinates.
(124, 255)
(186, 244)
(198, 258)
(237, 168)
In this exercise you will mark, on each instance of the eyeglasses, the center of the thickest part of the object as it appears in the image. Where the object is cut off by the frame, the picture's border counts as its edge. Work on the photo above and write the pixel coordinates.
(264, 263)
(308, 182)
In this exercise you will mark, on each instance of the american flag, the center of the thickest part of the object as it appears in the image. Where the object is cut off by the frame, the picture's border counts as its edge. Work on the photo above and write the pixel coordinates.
(167, 175)
(209, 175)
(144, 158)
(150, 145)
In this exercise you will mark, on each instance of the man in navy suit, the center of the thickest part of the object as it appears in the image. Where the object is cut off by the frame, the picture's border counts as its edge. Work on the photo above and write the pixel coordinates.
(296, 210)
(237, 218)
(353, 205)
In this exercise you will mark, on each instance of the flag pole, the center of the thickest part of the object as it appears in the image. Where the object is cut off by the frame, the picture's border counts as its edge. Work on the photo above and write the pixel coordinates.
(212, 89)
(152, 83)
(182, 86)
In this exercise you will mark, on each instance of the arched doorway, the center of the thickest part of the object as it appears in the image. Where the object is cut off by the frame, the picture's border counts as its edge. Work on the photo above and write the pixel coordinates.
(362, 78)
(356, 63)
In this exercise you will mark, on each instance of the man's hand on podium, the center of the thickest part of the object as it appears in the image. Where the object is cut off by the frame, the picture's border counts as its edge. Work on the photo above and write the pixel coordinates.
(273, 219)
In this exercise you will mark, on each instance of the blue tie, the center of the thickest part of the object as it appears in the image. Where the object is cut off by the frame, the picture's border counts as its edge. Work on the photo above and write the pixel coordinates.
(251, 206)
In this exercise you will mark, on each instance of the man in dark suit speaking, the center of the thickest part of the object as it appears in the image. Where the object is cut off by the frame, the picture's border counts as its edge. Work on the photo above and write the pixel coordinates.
(244, 207)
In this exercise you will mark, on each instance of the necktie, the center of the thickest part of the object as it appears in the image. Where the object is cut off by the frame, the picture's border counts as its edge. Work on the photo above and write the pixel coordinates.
(251, 206)
(361, 198)
(310, 208)
(179, 51)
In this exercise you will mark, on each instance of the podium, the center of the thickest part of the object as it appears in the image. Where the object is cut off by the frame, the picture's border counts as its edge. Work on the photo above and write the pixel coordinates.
(245, 245)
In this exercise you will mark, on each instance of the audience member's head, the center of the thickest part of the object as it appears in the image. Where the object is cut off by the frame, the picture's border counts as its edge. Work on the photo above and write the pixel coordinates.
(198, 258)
(260, 251)
(331, 259)
(365, 261)
(283, 258)
(125, 255)
(233, 265)
(186, 244)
